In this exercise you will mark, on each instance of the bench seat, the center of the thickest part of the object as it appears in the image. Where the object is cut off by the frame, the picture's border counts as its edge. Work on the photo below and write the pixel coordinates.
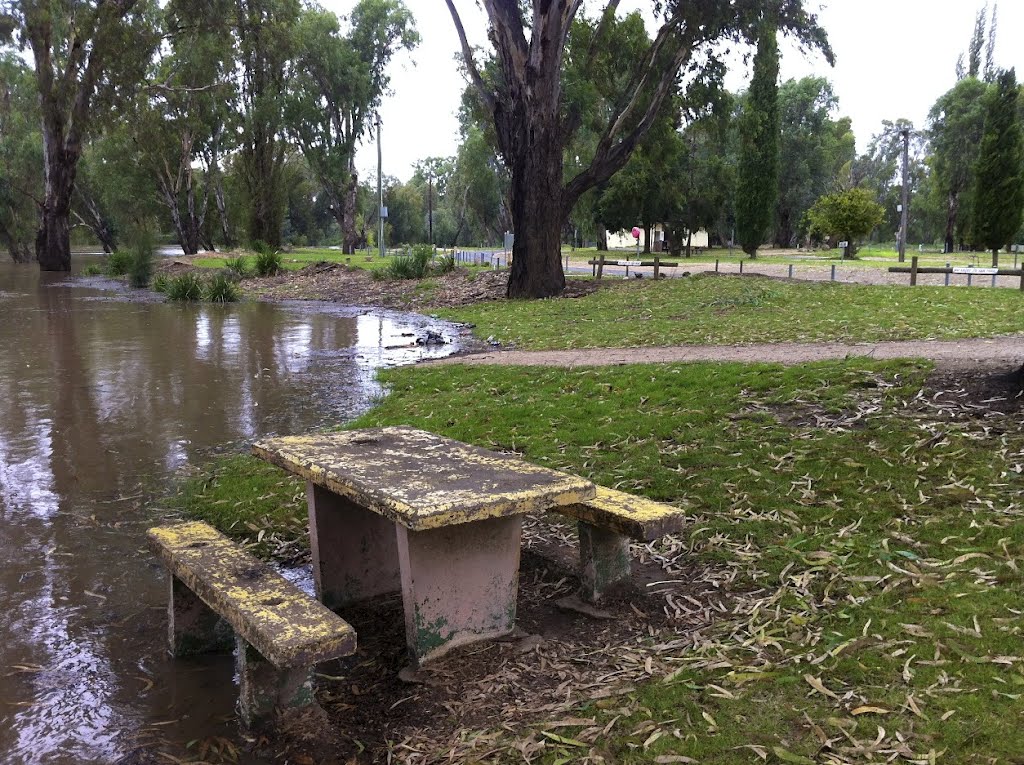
(607, 523)
(639, 518)
(280, 633)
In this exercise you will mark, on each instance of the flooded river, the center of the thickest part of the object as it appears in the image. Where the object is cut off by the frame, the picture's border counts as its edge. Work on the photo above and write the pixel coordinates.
(102, 401)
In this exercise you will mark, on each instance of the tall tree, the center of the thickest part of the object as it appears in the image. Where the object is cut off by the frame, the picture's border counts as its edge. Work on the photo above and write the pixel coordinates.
(815, 147)
(87, 55)
(957, 121)
(758, 173)
(999, 190)
(525, 102)
(21, 162)
(264, 29)
(338, 82)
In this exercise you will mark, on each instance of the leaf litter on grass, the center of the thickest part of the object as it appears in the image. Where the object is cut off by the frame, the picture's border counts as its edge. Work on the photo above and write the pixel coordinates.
(849, 575)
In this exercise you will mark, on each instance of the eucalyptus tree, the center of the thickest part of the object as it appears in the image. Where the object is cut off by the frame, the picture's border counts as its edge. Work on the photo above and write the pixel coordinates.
(88, 56)
(21, 161)
(534, 123)
(338, 81)
(816, 149)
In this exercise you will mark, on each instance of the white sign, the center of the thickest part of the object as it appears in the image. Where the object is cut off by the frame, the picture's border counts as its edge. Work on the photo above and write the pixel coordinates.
(629, 263)
(844, 245)
(975, 271)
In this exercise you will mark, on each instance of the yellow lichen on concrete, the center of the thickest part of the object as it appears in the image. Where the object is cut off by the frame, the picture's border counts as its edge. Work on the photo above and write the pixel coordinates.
(421, 480)
(285, 625)
(637, 517)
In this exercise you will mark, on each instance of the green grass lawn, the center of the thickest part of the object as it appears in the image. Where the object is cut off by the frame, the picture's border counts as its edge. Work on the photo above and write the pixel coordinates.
(709, 309)
(875, 545)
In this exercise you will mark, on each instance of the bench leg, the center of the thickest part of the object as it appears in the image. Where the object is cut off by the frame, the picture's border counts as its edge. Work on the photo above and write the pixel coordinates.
(604, 560)
(192, 626)
(355, 553)
(459, 584)
(263, 688)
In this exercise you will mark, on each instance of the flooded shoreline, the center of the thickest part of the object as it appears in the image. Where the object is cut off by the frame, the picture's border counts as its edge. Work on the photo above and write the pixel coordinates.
(104, 401)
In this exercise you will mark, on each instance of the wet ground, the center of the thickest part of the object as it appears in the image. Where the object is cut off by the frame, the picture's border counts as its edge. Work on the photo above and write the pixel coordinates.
(102, 401)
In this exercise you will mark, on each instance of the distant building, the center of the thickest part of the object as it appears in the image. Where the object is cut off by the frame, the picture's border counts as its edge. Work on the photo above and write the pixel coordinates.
(623, 240)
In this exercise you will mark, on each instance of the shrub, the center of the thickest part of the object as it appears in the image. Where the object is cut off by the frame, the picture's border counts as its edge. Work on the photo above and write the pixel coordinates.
(184, 287)
(238, 266)
(445, 264)
(118, 263)
(92, 270)
(415, 265)
(220, 289)
(141, 252)
(160, 283)
(267, 262)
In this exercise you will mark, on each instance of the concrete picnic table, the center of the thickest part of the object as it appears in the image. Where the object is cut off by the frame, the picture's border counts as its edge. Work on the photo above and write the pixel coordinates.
(402, 509)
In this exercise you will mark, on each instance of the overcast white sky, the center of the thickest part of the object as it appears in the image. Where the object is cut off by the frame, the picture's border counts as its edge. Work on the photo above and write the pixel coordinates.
(893, 59)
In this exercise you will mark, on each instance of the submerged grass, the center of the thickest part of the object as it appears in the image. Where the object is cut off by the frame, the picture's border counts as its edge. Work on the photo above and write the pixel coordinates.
(868, 538)
(709, 309)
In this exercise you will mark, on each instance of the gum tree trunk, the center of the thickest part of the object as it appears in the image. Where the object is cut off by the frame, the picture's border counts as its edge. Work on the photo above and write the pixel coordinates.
(53, 240)
(537, 218)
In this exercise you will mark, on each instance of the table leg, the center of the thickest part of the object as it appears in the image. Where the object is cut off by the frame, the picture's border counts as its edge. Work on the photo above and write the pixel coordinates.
(355, 552)
(459, 584)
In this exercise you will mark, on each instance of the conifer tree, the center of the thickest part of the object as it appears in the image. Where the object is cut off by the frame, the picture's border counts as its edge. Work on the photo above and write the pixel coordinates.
(757, 190)
(999, 193)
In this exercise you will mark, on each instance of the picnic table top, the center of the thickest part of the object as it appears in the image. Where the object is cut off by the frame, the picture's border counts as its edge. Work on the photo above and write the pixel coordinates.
(422, 480)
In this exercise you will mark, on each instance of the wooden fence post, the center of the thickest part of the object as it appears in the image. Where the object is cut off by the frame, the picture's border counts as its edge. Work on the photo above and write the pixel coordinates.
(657, 265)
(913, 271)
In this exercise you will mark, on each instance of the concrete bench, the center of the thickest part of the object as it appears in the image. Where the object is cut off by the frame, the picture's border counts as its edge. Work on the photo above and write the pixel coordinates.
(606, 525)
(221, 597)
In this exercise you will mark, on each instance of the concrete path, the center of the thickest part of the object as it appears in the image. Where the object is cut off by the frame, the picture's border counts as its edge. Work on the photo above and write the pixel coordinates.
(967, 353)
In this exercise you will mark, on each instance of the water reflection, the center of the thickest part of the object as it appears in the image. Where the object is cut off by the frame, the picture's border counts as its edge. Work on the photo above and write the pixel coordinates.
(100, 402)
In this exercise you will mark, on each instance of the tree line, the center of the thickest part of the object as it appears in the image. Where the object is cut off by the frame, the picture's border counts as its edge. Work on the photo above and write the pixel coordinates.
(237, 121)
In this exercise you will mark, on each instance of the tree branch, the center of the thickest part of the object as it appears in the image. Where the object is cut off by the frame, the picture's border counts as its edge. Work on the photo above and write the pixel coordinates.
(467, 55)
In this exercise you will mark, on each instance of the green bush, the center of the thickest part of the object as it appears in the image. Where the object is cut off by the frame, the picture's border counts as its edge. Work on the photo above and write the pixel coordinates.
(415, 265)
(221, 289)
(160, 283)
(238, 266)
(445, 264)
(118, 263)
(92, 270)
(184, 287)
(267, 262)
(141, 253)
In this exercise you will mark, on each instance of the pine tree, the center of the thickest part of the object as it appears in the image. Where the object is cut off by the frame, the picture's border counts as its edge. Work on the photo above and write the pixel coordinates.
(757, 190)
(999, 190)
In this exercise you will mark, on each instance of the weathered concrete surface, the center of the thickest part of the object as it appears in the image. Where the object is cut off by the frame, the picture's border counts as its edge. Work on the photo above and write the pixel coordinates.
(421, 480)
(285, 625)
(637, 517)
(604, 560)
(355, 551)
(264, 689)
(459, 584)
(192, 626)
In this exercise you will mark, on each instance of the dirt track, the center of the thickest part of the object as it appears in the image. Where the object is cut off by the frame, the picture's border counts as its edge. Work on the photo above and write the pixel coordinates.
(950, 354)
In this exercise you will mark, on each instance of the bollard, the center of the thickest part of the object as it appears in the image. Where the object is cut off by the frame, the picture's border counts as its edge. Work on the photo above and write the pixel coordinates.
(716, 265)
(948, 266)
(994, 280)
(790, 270)
(741, 266)
(833, 272)
(970, 279)
(913, 271)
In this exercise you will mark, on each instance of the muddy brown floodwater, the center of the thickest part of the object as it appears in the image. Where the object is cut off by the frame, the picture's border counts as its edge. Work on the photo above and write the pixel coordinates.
(102, 401)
